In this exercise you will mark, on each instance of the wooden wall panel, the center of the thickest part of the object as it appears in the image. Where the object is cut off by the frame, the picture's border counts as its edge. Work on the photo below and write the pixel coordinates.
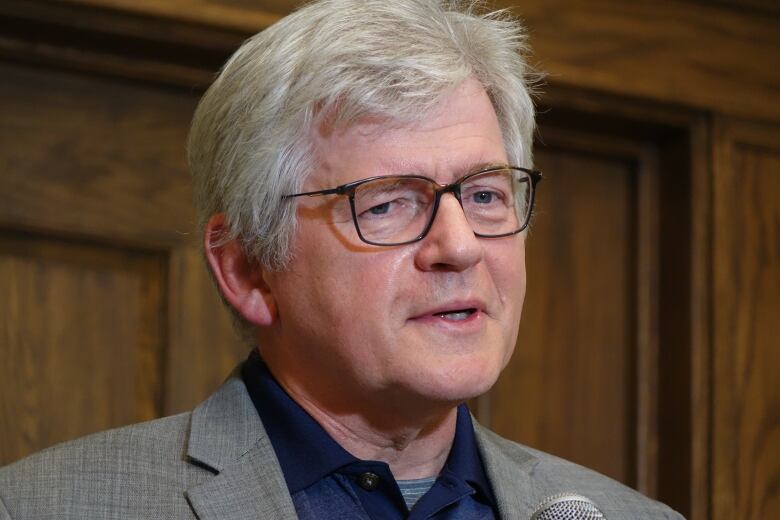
(706, 56)
(711, 55)
(94, 157)
(203, 346)
(111, 317)
(746, 387)
(81, 340)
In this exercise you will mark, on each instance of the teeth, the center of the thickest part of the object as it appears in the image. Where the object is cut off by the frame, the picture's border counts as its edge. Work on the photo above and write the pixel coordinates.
(457, 315)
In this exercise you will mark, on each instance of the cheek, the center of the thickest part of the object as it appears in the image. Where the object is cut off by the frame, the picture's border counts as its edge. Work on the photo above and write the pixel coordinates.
(508, 269)
(376, 282)
(511, 283)
(346, 288)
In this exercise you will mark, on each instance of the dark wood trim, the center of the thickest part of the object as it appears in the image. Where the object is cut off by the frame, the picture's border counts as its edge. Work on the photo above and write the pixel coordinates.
(743, 386)
(701, 317)
(133, 45)
(647, 281)
(710, 57)
(706, 56)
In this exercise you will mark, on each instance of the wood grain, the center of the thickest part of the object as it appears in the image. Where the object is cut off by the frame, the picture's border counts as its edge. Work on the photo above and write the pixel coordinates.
(93, 158)
(245, 15)
(203, 346)
(746, 389)
(703, 55)
(700, 340)
(80, 353)
(96, 207)
(707, 55)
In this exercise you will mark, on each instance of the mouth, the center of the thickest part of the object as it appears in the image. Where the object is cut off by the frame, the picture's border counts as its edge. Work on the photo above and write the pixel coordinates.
(461, 311)
(457, 315)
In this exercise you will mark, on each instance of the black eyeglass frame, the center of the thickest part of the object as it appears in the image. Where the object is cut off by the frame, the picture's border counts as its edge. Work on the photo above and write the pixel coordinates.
(349, 188)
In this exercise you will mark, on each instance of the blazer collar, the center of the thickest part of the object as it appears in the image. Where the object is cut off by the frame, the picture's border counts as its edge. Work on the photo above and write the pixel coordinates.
(227, 437)
(509, 468)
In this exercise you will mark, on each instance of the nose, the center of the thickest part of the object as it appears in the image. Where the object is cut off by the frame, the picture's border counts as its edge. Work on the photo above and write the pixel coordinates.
(450, 244)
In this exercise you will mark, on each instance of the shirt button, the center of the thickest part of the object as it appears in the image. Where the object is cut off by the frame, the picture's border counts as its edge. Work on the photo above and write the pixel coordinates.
(368, 481)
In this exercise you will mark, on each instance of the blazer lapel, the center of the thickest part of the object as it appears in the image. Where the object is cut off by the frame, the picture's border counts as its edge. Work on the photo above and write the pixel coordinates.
(509, 468)
(227, 437)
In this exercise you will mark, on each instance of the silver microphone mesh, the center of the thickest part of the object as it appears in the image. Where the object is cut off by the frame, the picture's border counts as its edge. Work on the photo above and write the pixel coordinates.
(567, 506)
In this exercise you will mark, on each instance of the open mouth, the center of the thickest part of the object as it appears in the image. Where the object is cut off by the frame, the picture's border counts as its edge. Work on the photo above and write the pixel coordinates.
(456, 315)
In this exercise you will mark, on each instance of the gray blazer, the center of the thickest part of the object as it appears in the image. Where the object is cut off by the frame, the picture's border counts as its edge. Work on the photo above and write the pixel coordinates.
(217, 463)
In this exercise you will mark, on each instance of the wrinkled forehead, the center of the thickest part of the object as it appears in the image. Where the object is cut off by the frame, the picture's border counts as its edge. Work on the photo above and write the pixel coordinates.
(461, 128)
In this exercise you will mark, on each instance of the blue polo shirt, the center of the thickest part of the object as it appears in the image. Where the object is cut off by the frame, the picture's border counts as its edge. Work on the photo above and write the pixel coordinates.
(325, 481)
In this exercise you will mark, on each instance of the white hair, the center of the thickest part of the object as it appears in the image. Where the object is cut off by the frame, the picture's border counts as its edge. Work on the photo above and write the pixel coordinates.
(249, 143)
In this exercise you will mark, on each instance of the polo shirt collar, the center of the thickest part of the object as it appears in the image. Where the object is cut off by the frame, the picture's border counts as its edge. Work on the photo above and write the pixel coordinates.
(305, 451)
(308, 454)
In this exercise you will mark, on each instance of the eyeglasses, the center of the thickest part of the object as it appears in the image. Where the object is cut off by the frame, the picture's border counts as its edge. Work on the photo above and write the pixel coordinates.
(399, 209)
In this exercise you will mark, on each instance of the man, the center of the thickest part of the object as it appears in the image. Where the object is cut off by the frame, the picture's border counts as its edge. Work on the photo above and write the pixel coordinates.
(363, 174)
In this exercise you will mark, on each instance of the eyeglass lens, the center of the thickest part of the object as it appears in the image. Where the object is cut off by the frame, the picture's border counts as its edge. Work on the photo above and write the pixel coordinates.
(394, 210)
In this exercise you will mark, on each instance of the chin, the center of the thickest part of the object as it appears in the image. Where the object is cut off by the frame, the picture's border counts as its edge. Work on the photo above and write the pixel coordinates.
(461, 383)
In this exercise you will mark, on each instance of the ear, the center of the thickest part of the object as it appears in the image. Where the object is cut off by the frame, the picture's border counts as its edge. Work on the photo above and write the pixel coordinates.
(240, 281)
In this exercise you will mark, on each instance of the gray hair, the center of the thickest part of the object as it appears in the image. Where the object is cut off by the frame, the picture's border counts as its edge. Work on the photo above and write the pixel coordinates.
(249, 143)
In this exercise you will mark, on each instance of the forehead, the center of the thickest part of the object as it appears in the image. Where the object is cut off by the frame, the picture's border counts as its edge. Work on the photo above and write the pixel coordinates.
(460, 133)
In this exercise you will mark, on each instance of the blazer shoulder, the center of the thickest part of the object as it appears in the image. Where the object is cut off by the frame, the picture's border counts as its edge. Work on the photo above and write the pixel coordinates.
(150, 439)
(545, 475)
(142, 460)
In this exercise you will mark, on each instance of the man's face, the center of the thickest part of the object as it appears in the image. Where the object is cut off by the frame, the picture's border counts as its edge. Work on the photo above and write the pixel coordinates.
(432, 321)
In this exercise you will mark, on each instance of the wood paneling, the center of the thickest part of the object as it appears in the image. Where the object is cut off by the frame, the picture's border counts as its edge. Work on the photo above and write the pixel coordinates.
(81, 338)
(249, 15)
(746, 388)
(94, 158)
(704, 54)
(203, 346)
(769, 7)
(109, 316)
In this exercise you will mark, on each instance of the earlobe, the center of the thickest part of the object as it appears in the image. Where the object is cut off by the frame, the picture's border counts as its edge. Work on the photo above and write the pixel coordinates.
(240, 281)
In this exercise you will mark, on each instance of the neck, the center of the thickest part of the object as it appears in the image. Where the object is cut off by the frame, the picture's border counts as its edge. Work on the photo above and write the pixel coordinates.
(415, 444)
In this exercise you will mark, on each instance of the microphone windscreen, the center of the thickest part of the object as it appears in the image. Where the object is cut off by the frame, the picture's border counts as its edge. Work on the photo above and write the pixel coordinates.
(567, 506)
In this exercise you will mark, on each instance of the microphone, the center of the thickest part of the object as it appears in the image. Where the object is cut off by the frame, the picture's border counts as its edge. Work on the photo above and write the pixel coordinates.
(567, 506)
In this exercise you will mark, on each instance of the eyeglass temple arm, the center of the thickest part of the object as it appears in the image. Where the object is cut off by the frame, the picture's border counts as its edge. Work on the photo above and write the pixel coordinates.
(337, 190)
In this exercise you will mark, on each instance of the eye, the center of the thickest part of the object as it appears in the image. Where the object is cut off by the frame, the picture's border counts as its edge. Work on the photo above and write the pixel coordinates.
(380, 209)
(387, 208)
(483, 197)
(392, 198)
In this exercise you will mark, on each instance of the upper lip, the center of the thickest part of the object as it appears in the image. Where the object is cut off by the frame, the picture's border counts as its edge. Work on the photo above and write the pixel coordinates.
(452, 306)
